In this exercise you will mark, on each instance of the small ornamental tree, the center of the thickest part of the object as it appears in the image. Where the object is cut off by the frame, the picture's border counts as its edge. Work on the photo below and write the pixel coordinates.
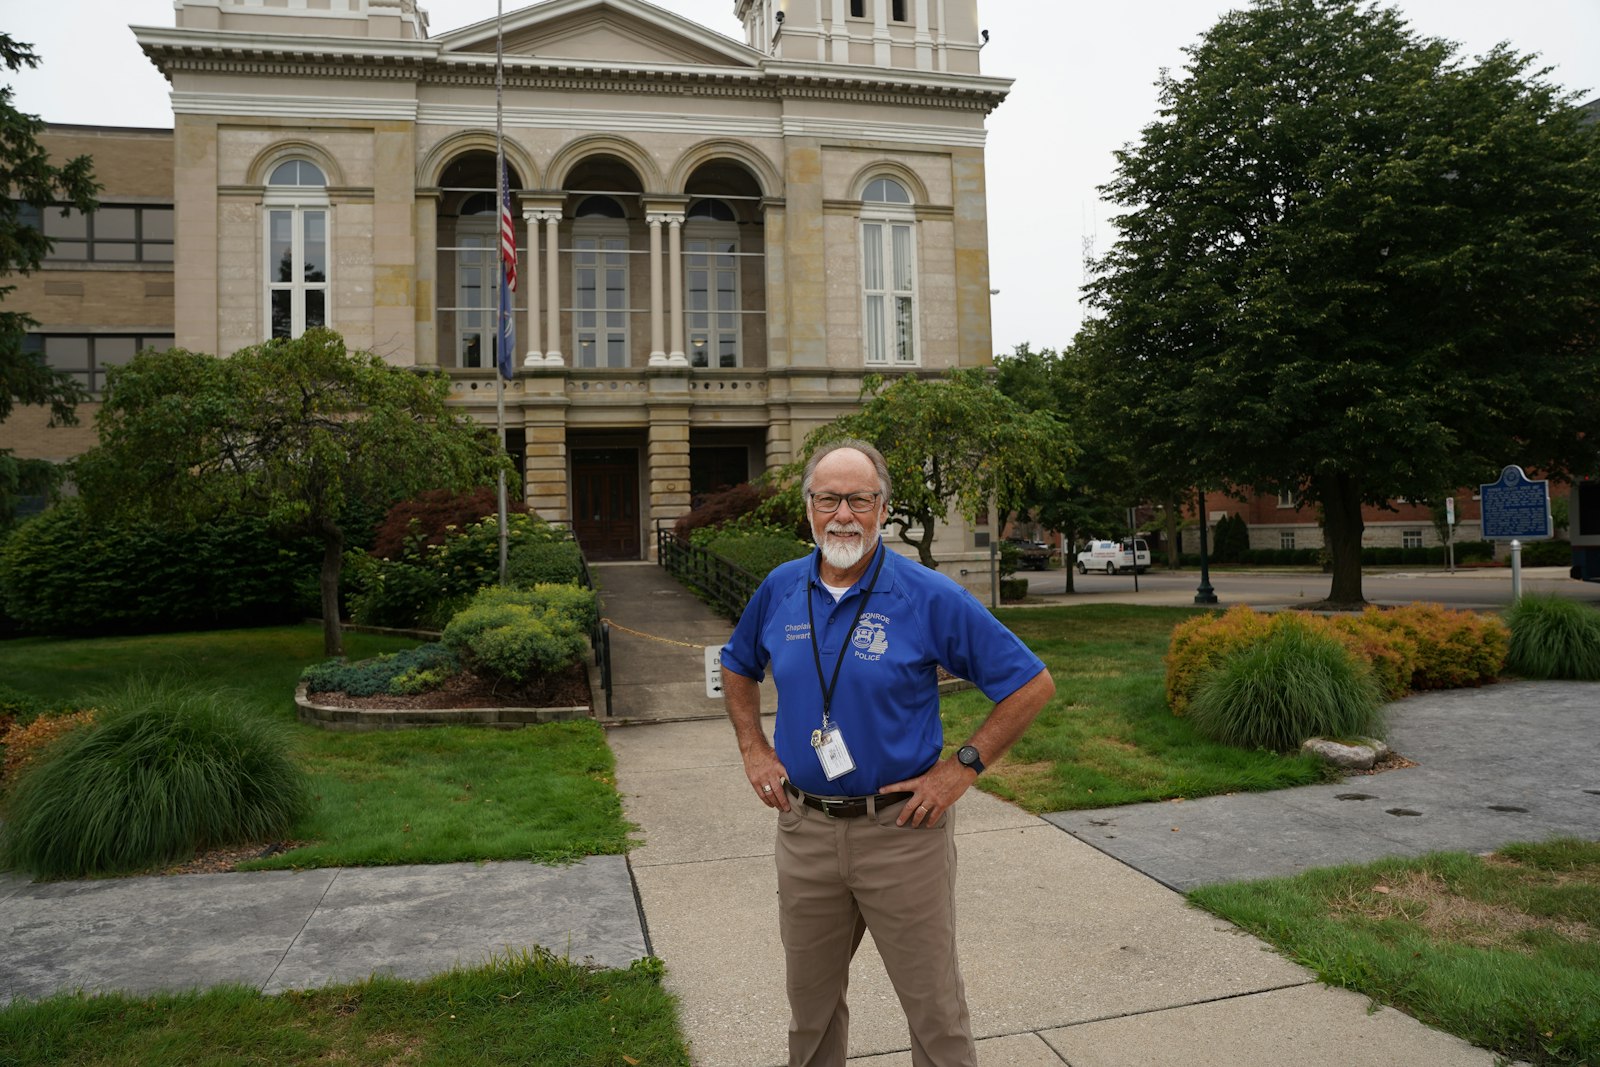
(294, 430)
(950, 441)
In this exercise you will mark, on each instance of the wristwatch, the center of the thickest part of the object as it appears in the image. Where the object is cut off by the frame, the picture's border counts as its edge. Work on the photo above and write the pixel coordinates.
(968, 756)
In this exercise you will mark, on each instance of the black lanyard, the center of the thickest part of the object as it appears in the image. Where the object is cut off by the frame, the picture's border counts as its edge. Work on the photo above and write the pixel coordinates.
(816, 640)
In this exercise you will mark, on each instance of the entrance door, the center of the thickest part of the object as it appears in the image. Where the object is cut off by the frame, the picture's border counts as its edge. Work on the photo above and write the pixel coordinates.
(605, 502)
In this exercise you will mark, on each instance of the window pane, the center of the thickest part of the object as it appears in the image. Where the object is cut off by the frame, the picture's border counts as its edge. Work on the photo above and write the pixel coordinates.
(70, 250)
(280, 248)
(157, 223)
(108, 350)
(614, 286)
(315, 247)
(730, 352)
(904, 350)
(902, 258)
(615, 320)
(872, 249)
(472, 350)
(66, 353)
(875, 329)
(70, 225)
(616, 355)
(281, 319)
(157, 253)
(105, 252)
(115, 224)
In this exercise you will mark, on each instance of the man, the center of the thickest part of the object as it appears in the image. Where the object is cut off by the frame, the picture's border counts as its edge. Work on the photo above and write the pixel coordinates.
(854, 634)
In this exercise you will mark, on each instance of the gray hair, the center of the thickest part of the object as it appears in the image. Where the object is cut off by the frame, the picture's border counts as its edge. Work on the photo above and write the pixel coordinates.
(859, 445)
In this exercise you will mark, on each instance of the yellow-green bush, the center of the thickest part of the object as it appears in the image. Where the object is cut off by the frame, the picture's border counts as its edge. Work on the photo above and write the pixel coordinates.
(1454, 648)
(1201, 644)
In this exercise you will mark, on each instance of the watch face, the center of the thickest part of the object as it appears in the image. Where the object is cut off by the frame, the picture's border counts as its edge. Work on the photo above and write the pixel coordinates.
(969, 756)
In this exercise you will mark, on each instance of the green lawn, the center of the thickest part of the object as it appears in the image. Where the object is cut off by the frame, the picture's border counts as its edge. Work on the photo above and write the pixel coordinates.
(438, 795)
(1107, 737)
(527, 1009)
(1503, 951)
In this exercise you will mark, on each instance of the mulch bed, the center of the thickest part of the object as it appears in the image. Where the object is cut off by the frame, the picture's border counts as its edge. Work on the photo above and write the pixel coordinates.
(568, 689)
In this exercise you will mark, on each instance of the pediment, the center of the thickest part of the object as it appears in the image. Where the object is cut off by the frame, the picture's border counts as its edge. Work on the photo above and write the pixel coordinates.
(603, 31)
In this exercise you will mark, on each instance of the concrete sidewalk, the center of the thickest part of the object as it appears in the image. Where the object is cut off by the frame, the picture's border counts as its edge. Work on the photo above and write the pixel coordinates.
(1070, 957)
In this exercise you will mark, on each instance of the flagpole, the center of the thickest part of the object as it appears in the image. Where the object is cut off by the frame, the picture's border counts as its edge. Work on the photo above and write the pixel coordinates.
(501, 193)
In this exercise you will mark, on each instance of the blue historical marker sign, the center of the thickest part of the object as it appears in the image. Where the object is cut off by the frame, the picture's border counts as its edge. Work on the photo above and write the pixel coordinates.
(1515, 508)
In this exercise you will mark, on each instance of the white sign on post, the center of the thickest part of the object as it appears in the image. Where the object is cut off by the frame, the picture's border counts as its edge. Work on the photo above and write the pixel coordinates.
(714, 672)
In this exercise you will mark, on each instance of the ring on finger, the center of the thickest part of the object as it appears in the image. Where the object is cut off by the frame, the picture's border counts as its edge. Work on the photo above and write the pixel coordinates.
(766, 789)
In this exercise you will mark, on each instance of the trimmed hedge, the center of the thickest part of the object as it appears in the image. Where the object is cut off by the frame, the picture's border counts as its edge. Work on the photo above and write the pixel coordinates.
(555, 562)
(61, 573)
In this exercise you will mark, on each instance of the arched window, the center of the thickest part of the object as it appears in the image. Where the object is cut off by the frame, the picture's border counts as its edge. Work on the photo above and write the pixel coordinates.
(888, 274)
(600, 207)
(297, 248)
(711, 284)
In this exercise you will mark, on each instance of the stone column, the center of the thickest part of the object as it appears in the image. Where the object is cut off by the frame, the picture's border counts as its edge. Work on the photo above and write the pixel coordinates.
(675, 251)
(552, 268)
(881, 55)
(668, 463)
(530, 285)
(658, 355)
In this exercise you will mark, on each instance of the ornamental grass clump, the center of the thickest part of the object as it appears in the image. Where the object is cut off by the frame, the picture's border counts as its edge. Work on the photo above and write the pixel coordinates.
(163, 771)
(1297, 683)
(1553, 637)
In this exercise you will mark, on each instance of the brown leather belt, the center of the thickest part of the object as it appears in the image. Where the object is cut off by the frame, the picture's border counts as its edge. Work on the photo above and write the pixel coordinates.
(844, 807)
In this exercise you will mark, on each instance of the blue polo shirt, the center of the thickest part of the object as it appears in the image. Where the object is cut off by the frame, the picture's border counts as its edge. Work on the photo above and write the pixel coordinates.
(887, 701)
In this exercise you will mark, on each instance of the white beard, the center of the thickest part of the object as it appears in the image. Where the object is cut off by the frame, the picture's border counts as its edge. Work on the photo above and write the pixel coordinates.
(842, 555)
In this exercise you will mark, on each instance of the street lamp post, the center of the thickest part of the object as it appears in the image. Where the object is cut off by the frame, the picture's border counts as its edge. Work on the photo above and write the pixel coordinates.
(1204, 594)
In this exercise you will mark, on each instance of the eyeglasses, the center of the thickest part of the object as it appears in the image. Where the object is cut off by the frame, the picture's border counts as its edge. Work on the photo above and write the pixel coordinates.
(861, 503)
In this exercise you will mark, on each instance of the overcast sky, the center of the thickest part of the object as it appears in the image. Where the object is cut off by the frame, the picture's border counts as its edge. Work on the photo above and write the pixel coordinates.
(1085, 75)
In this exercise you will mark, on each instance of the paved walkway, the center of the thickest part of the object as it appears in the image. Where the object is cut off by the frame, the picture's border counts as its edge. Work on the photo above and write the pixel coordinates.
(1073, 954)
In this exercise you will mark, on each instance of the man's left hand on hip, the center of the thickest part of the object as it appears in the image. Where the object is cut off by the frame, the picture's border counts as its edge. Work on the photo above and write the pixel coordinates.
(933, 793)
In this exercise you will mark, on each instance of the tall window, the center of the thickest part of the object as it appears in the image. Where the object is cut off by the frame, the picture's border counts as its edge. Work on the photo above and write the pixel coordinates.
(600, 284)
(112, 233)
(297, 248)
(474, 308)
(1410, 538)
(1286, 540)
(711, 284)
(888, 273)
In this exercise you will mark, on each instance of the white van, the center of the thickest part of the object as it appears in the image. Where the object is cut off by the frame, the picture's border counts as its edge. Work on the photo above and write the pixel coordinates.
(1114, 557)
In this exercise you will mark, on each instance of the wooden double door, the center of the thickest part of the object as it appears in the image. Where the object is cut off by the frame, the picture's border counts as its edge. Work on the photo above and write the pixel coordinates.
(605, 502)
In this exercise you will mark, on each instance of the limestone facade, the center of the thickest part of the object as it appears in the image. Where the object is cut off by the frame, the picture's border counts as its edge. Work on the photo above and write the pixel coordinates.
(716, 240)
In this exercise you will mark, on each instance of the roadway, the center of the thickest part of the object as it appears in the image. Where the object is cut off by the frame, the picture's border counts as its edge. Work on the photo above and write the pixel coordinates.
(1488, 588)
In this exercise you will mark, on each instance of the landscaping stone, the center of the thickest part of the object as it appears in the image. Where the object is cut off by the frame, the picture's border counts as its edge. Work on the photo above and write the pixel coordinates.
(1359, 756)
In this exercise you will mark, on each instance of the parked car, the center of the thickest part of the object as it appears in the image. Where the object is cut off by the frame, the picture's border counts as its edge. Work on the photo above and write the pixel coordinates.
(1033, 555)
(1114, 557)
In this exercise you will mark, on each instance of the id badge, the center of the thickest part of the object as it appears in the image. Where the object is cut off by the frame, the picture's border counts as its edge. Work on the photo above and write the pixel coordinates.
(832, 753)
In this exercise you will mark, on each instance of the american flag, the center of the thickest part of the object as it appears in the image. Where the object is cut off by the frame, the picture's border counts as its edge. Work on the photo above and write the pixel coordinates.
(508, 280)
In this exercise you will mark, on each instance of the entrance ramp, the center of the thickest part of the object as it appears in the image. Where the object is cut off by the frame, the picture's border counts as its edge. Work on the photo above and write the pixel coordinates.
(659, 633)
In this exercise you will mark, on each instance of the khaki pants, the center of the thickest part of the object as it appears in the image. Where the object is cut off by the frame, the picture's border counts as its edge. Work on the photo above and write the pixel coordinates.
(838, 878)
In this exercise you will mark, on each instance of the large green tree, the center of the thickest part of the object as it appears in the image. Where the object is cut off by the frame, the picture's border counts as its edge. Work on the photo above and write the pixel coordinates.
(29, 184)
(949, 442)
(300, 431)
(1353, 266)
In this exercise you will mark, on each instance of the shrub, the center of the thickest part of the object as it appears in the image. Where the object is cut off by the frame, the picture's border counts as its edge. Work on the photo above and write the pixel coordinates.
(1546, 554)
(1013, 590)
(1199, 646)
(519, 635)
(62, 573)
(1391, 654)
(722, 507)
(26, 745)
(1553, 637)
(540, 563)
(758, 553)
(1298, 682)
(165, 771)
(430, 518)
(396, 673)
(1454, 648)
(427, 584)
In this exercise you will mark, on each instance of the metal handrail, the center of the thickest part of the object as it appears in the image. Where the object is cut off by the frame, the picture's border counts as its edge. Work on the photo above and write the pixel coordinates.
(725, 584)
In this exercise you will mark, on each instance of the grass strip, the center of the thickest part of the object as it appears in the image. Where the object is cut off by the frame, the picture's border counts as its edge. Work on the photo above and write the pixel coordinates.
(1500, 950)
(1107, 736)
(438, 795)
(525, 1008)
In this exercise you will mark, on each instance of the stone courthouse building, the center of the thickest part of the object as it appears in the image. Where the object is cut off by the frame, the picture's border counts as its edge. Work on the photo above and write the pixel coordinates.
(717, 239)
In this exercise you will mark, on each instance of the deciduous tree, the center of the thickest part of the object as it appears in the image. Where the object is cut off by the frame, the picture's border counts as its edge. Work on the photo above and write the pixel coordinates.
(1354, 266)
(297, 430)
